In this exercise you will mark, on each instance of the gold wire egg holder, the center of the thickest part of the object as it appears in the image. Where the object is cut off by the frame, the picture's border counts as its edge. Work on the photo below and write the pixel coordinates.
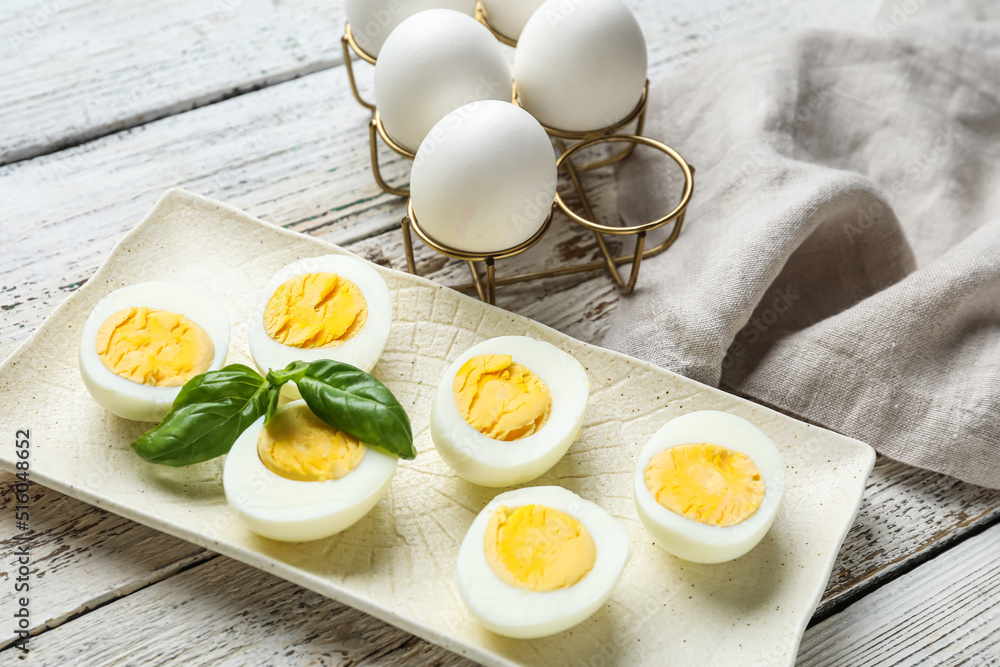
(485, 287)
(348, 43)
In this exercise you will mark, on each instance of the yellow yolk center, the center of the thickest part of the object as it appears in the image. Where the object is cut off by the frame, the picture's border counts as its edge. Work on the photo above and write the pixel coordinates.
(300, 446)
(538, 548)
(315, 310)
(154, 347)
(706, 483)
(501, 399)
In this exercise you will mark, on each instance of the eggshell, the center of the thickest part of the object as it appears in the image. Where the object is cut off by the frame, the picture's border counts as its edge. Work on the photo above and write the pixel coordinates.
(509, 16)
(430, 65)
(485, 177)
(372, 20)
(580, 65)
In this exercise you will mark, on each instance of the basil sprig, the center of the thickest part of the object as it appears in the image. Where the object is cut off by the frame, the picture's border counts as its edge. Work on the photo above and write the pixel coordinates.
(214, 408)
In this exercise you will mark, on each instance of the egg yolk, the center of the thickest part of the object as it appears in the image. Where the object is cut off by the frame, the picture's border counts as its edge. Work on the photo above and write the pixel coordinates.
(501, 399)
(706, 483)
(300, 446)
(538, 548)
(154, 347)
(315, 310)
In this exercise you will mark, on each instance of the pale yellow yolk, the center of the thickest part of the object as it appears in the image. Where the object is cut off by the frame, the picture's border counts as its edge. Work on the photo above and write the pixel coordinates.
(300, 446)
(315, 310)
(501, 399)
(538, 548)
(706, 483)
(153, 347)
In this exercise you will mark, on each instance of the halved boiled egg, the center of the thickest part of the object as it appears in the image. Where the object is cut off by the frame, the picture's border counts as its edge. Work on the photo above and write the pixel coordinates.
(707, 486)
(507, 409)
(329, 307)
(141, 343)
(300, 479)
(539, 560)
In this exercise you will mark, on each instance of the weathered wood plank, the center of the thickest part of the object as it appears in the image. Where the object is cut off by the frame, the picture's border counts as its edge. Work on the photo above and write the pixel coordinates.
(228, 613)
(942, 613)
(908, 516)
(81, 557)
(234, 613)
(74, 70)
(264, 152)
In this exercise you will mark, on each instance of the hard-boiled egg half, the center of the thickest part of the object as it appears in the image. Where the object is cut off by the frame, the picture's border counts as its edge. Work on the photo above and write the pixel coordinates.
(507, 409)
(300, 479)
(539, 560)
(141, 343)
(329, 307)
(707, 486)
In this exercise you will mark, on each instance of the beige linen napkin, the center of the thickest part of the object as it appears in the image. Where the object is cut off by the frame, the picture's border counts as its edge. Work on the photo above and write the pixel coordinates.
(841, 258)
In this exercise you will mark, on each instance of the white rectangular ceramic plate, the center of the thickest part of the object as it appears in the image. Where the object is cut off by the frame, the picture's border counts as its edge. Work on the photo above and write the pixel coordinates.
(398, 563)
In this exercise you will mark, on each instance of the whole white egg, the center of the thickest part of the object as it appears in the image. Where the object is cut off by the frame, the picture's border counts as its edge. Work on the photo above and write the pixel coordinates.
(704, 540)
(580, 65)
(431, 64)
(479, 457)
(522, 613)
(127, 394)
(312, 312)
(509, 16)
(372, 20)
(485, 178)
(298, 511)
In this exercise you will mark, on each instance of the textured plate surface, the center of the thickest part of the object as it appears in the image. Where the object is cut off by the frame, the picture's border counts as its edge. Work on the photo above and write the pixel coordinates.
(398, 562)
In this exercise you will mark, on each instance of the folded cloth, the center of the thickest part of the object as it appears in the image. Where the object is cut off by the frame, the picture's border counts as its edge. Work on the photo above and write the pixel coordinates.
(841, 255)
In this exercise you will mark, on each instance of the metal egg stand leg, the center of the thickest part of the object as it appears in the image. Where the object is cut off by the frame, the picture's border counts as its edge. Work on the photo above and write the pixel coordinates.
(486, 288)
(348, 45)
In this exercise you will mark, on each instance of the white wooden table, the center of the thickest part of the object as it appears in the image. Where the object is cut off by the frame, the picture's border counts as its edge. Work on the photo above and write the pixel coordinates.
(106, 103)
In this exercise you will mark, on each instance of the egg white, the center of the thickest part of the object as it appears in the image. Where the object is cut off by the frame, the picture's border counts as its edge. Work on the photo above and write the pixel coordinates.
(485, 178)
(509, 16)
(373, 20)
(363, 350)
(583, 69)
(482, 460)
(514, 612)
(431, 64)
(128, 399)
(294, 511)
(693, 540)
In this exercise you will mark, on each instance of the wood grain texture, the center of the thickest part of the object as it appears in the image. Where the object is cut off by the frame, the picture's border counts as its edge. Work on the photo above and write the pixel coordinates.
(942, 613)
(225, 613)
(75, 70)
(296, 154)
(82, 557)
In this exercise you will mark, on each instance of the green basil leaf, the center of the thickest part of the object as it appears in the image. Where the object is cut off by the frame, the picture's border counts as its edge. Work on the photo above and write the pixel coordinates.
(353, 401)
(273, 394)
(293, 371)
(207, 416)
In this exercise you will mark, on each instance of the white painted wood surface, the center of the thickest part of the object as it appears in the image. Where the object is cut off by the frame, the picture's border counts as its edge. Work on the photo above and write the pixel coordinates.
(942, 613)
(74, 70)
(295, 153)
